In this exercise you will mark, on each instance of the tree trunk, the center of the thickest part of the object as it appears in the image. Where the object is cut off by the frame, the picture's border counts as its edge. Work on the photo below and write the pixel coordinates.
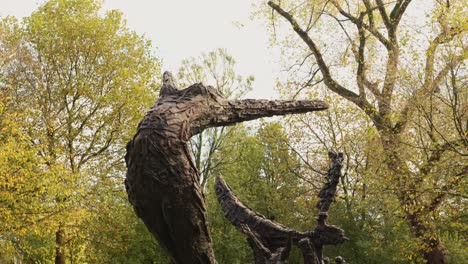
(437, 253)
(432, 249)
(60, 246)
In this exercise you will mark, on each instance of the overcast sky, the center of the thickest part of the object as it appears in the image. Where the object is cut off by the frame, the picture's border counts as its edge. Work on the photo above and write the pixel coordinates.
(186, 28)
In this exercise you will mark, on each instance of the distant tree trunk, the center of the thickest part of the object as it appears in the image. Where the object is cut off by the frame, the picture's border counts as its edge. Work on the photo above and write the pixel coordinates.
(419, 221)
(60, 246)
(162, 180)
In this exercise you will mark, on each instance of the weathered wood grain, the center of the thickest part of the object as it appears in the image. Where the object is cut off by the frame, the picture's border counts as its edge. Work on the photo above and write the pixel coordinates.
(162, 182)
(271, 241)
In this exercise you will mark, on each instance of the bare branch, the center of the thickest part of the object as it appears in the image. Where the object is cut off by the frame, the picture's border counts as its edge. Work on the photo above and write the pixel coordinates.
(361, 70)
(437, 200)
(370, 13)
(328, 79)
(426, 88)
(331, 83)
(359, 52)
(383, 14)
(436, 154)
(398, 11)
(370, 28)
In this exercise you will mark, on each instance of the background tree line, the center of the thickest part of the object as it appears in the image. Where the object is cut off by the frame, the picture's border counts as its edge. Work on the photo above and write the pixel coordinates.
(74, 83)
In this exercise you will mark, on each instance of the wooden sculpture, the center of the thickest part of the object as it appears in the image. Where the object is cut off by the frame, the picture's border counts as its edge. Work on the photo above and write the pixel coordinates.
(162, 181)
(270, 241)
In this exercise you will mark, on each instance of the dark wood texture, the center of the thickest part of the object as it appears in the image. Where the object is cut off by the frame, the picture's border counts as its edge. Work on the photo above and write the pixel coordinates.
(271, 241)
(162, 181)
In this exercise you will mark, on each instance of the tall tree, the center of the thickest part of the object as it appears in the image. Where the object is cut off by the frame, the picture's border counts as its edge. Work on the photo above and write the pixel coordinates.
(83, 79)
(364, 208)
(423, 159)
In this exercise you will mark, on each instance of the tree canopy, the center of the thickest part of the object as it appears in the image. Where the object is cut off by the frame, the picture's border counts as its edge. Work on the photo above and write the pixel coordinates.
(74, 84)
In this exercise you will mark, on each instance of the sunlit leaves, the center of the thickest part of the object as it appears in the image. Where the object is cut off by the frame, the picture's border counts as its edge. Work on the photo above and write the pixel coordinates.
(409, 67)
(78, 81)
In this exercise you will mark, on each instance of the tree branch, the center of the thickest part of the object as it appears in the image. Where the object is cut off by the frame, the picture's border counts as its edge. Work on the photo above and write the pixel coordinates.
(425, 89)
(328, 79)
(444, 37)
(436, 154)
(398, 11)
(359, 52)
(370, 28)
(331, 83)
(360, 58)
(383, 14)
(436, 201)
(370, 13)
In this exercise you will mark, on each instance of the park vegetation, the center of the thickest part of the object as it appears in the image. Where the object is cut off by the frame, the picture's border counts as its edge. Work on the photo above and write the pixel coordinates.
(75, 82)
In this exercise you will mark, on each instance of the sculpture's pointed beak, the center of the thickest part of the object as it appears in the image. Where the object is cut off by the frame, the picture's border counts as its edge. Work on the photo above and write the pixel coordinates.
(250, 109)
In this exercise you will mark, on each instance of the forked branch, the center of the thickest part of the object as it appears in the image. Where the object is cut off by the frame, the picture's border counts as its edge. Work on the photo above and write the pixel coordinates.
(329, 81)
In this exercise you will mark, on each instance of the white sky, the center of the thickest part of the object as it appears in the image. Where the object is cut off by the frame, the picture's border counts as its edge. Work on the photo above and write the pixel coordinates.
(185, 28)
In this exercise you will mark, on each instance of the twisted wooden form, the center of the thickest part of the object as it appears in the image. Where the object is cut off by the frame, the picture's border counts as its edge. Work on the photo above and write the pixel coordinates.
(270, 241)
(162, 181)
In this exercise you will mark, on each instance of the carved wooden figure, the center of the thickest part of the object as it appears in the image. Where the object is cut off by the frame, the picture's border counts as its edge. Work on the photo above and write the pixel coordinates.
(162, 181)
(270, 241)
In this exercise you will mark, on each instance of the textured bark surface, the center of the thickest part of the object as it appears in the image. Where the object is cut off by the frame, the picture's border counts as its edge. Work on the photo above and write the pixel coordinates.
(60, 246)
(271, 241)
(162, 181)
